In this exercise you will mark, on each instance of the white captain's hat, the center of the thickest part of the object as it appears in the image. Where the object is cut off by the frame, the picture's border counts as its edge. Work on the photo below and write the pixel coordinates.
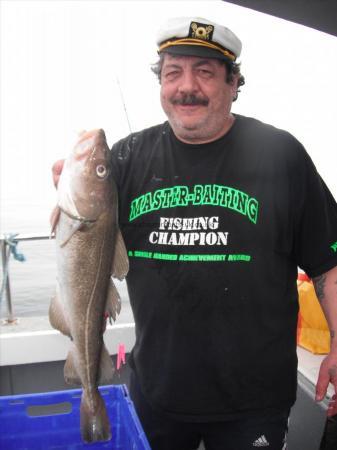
(195, 36)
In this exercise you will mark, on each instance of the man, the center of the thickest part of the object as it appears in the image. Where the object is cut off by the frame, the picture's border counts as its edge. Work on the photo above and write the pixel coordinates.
(217, 212)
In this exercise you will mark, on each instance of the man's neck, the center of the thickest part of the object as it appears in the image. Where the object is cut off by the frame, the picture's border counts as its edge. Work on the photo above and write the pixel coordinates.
(198, 140)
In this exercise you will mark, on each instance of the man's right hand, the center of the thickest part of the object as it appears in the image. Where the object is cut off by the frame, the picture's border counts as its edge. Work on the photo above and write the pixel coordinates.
(57, 170)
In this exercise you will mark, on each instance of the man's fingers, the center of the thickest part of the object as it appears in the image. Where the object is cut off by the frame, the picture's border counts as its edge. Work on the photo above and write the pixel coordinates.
(332, 408)
(320, 392)
(57, 170)
(322, 385)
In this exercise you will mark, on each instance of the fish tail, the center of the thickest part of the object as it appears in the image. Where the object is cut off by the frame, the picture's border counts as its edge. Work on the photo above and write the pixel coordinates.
(95, 425)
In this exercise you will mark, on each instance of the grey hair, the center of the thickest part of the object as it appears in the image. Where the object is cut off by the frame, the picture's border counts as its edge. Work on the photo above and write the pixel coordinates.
(232, 69)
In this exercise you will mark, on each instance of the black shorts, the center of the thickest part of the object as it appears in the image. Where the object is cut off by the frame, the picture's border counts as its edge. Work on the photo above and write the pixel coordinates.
(265, 431)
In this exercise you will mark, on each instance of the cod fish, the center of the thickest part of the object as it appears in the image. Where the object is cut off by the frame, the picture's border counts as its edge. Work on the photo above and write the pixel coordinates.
(90, 249)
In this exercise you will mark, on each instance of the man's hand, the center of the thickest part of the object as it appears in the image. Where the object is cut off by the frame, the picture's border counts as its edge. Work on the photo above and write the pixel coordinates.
(328, 374)
(57, 170)
(326, 291)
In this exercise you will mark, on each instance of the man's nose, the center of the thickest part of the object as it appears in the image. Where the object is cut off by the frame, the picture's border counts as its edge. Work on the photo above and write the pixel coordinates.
(188, 83)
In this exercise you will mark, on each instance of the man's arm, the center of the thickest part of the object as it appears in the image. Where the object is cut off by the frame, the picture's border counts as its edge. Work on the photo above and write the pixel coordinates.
(326, 291)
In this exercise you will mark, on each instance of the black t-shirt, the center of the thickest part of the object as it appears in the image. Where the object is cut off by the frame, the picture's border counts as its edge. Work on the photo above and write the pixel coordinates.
(215, 234)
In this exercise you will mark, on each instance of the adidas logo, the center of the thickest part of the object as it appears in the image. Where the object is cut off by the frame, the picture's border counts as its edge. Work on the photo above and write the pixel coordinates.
(261, 442)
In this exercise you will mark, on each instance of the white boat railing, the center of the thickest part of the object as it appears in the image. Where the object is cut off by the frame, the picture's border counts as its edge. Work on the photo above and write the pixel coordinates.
(8, 243)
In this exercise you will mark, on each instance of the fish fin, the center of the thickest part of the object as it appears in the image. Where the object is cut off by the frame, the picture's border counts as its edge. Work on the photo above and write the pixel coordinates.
(54, 219)
(95, 425)
(120, 265)
(70, 373)
(106, 368)
(75, 226)
(113, 303)
(57, 318)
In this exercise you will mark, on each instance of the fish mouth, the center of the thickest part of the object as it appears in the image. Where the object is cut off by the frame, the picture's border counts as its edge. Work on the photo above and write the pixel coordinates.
(84, 148)
(89, 143)
(78, 217)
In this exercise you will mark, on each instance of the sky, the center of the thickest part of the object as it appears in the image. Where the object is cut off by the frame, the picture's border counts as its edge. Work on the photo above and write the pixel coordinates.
(73, 65)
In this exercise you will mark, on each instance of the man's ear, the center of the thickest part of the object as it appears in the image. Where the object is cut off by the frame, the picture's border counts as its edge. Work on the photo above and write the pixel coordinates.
(234, 86)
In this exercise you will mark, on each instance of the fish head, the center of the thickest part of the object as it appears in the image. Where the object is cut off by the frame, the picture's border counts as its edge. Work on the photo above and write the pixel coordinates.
(86, 187)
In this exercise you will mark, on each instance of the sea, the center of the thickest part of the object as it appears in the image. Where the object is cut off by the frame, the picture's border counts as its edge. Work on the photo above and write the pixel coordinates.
(32, 281)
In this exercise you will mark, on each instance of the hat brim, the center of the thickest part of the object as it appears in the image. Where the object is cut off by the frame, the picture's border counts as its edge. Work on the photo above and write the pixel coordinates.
(195, 50)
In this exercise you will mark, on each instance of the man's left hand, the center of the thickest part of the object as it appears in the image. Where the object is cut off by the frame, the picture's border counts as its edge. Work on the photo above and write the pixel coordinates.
(328, 374)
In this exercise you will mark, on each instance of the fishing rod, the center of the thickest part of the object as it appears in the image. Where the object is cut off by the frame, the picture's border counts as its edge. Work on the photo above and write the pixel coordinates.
(124, 105)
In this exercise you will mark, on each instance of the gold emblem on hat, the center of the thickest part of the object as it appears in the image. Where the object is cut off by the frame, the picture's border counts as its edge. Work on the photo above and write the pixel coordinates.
(201, 32)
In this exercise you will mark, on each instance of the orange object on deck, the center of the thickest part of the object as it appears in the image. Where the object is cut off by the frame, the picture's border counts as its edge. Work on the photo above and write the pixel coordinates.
(312, 328)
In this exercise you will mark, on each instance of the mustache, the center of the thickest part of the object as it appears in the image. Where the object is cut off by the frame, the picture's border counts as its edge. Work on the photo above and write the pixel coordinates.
(190, 99)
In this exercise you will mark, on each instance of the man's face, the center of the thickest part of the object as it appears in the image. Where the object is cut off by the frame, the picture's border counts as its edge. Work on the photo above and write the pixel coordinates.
(196, 97)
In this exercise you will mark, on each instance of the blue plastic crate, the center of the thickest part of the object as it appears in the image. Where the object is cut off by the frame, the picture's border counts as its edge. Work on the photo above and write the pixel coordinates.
(51, 421)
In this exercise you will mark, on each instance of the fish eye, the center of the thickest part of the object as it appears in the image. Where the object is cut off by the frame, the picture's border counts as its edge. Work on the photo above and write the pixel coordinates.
(101, 171)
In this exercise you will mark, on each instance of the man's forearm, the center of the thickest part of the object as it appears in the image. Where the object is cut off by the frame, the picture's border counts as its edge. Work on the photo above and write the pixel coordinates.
(326, 291)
